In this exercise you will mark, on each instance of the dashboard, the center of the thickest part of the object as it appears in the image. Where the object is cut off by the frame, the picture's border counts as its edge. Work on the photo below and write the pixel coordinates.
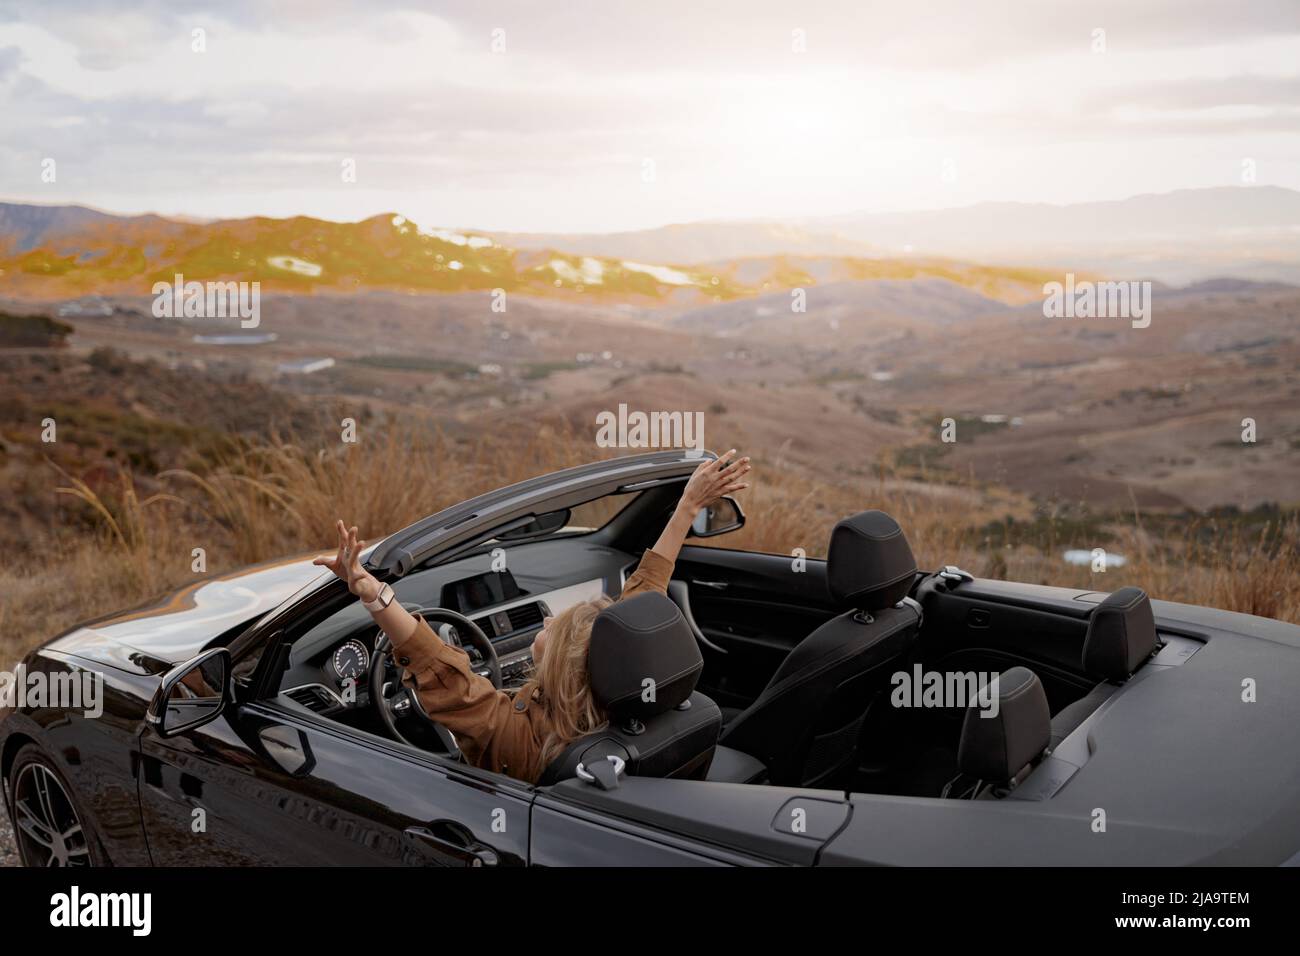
(328, 664)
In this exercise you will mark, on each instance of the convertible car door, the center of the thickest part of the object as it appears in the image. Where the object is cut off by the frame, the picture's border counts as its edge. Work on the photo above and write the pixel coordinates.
(647, 821)
(262, 787)
(756, 608)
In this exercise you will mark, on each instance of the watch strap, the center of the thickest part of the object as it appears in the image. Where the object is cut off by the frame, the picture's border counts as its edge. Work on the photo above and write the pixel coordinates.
(382, 599)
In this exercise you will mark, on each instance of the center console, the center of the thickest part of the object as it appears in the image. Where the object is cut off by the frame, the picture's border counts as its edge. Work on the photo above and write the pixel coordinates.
(510, 616)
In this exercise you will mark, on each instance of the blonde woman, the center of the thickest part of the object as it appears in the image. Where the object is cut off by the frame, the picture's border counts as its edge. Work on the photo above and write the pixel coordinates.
(520, 733)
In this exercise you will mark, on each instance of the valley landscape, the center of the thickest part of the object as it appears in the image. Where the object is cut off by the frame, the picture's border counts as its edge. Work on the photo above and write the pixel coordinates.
(468, 362)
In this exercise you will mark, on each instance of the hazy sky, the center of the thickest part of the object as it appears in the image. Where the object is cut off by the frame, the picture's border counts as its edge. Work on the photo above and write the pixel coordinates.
(601, 115)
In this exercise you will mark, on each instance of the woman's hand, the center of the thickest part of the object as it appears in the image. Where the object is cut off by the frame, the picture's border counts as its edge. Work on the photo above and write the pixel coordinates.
(347, 564)
(712, 480)
(395, 621)
(709, 482)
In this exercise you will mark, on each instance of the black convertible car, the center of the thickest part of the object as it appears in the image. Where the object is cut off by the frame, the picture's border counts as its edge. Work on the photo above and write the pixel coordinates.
(256, 720)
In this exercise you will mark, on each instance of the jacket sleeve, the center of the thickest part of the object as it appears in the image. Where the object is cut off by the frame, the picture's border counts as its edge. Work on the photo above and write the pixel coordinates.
(491, 730)
(651, 574)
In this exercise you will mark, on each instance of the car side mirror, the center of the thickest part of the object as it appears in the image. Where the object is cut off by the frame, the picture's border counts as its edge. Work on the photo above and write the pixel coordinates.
(719, 517)
(191, 694)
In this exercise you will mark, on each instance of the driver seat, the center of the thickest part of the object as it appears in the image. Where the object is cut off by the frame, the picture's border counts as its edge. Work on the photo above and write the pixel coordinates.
(643, 648)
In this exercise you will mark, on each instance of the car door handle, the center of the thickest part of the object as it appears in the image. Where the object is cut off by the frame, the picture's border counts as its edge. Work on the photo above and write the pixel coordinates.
(458, 844)
(715, 585)
(289, 748)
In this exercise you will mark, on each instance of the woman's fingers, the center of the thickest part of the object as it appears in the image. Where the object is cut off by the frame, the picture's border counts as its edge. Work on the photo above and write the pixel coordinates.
(732, 475)
(731, 462)
(357, 546)
(717, 477)
(732, 467)
(354, 563)
(338, 557)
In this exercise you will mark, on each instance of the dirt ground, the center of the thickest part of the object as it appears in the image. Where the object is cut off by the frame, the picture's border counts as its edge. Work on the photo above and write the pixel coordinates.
(8, 848)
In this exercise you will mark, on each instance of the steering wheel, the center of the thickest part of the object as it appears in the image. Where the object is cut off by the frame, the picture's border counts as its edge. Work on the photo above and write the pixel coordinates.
(399, 707)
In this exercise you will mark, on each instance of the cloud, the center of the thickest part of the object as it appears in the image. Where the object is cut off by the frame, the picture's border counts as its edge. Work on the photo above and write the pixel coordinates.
(555, 132)
(1200, 93)
(10, 57)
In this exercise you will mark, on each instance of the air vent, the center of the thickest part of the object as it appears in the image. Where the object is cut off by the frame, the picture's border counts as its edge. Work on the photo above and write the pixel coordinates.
(525, 616)
(313, 698)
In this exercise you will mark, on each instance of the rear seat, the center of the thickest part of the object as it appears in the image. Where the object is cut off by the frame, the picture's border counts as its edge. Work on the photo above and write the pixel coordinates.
(998, 752)
(1121, 636)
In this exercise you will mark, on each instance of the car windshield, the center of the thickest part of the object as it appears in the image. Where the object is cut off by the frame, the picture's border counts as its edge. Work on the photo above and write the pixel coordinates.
(593, 515)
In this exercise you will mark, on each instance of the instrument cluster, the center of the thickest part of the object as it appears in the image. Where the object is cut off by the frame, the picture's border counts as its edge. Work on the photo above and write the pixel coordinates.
(350, 660)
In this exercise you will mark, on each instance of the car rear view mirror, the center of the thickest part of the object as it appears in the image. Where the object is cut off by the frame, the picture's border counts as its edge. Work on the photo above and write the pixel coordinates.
(542, 524)
(720, 517)
(191, 694)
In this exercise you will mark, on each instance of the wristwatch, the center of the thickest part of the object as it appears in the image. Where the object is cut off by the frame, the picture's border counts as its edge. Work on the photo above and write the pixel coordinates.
(381, 601)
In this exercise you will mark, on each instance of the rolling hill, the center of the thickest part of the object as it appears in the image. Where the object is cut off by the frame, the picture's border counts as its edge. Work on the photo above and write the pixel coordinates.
(67, 251)
(845, 311)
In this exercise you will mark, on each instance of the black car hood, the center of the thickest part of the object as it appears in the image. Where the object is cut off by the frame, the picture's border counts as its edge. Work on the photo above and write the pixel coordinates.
(153, 637)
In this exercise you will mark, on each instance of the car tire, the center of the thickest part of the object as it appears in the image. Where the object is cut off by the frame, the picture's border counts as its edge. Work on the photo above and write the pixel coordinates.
(39, 791)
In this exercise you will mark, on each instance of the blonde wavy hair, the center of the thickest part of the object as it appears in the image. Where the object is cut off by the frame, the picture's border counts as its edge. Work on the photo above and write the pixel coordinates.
(560, 684)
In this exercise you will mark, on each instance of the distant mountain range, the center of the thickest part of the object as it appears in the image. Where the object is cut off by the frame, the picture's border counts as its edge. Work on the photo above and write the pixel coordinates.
(69, 251)
(1250, 232)
(25, 227)
(699, 242)
(1177, 238)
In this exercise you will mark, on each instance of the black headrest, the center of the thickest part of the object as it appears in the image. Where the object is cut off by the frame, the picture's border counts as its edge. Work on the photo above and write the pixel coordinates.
(640, 640)
(996, 748)
(869, 565)
(1121, 635)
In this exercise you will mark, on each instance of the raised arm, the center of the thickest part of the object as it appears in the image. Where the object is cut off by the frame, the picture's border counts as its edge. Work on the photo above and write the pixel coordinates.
(711, 480)
(396, 621)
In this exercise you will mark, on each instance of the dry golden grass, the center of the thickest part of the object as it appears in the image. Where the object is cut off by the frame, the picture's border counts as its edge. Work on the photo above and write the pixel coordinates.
(1200, 562)
(258, 504)
(282, 498)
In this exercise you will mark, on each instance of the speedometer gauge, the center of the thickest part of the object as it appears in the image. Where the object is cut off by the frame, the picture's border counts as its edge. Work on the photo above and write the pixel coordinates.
(351, 660)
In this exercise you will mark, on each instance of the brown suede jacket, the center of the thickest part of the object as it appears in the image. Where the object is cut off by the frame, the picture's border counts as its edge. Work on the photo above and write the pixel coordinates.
(496, 729)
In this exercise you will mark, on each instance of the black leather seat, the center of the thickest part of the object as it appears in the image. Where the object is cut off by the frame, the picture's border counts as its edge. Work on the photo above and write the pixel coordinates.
(1000, 748)
(1121, 636)
(643, 663)
(732, 766)
(804, 725)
